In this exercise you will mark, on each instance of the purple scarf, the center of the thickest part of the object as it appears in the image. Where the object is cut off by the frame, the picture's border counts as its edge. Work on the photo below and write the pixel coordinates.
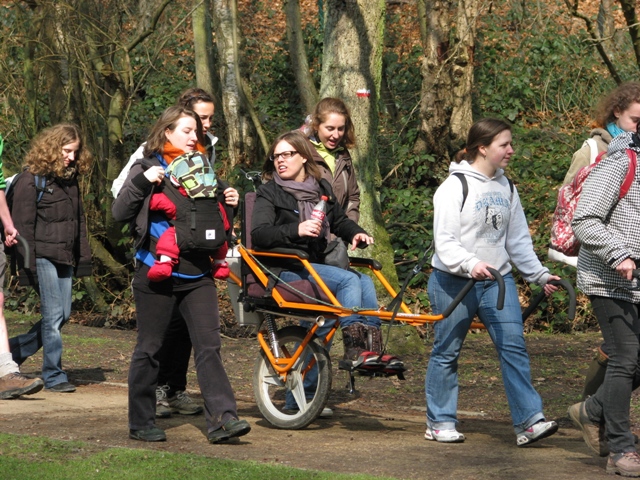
(307, 193)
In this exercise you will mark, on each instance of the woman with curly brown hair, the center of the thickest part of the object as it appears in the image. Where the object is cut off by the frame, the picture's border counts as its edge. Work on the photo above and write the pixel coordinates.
(49, 215)
(616, 113)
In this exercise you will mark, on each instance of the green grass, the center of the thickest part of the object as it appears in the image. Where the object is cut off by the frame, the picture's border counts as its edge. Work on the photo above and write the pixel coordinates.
(26, 458)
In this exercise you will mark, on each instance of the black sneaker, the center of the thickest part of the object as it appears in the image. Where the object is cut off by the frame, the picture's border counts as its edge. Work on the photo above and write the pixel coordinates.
(64, 387)
(150, 434)
(233, 428)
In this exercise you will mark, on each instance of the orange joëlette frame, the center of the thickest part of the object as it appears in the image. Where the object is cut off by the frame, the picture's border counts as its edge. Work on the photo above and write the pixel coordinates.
(334, 310)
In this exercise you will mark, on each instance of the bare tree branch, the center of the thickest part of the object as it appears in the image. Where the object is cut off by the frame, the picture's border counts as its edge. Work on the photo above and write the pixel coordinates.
(573, 9)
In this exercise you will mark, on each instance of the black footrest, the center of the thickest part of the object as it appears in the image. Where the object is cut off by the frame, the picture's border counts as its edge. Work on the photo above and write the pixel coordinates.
(378, 370)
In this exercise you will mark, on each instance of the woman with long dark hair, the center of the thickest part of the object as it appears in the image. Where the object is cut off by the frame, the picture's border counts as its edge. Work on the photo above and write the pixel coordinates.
(190, 289)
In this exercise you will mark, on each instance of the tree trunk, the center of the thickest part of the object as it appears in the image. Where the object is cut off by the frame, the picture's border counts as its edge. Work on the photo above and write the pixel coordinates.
(30, 119)
(352, 62)
(447, 77)
(298, 56)
(241, 137)
(54, 64)
(206, 72)
(607, 26)
(629, 11)
(462, 70)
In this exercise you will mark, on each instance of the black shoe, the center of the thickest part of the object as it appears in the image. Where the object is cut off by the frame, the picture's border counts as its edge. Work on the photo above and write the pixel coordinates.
(64, 387)
(151, 434)
(233, 428)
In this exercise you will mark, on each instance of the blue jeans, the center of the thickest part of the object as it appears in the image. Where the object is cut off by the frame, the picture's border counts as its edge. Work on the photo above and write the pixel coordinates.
(352, 289)
(54, 288)
(506, 331)
(620, 328)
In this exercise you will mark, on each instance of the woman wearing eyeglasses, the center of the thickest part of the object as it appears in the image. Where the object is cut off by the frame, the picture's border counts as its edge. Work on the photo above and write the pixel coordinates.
(282, 218)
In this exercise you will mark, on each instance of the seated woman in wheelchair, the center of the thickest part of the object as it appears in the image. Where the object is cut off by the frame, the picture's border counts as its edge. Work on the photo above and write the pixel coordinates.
(282, 218)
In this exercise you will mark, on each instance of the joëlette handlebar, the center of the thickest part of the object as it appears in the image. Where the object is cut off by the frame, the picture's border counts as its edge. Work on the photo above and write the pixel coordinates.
(499, 304)
(538, 298)
(25, 246)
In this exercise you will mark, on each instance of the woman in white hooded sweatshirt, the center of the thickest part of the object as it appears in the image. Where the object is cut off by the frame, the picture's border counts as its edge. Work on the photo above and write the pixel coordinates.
(485, 229)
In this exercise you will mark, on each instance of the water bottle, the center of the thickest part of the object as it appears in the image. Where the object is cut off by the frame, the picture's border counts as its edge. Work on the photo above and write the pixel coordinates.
(320, 210)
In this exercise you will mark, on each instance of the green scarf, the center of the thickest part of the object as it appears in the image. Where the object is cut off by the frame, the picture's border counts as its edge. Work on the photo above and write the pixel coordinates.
(328, 156)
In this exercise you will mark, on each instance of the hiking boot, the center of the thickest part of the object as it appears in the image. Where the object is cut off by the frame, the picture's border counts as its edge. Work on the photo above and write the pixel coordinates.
(183, 404)
(163, 410)
(233, 428)
(62, 387)
(13, 385)
(150, 434)
(375, 338)
(536, 432)
(626, 464)
(444, 436)
(592, 433)
(355, 338)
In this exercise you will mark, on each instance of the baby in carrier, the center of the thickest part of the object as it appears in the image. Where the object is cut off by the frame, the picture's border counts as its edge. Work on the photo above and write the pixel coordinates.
(192, 176)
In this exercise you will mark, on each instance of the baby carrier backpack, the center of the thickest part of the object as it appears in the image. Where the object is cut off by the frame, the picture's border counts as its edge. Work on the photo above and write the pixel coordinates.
(198, 223)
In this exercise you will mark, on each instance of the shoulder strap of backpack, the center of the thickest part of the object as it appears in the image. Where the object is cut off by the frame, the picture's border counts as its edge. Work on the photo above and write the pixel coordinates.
(593, 150)
(631, 172)
(465, 188)
(41, 184)
(511, 187)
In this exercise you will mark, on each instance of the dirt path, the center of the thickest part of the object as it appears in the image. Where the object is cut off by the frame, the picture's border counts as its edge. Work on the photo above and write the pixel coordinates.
(379, 433)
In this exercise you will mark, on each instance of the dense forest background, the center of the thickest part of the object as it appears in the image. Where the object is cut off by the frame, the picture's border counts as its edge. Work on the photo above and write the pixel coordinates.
(431, 67)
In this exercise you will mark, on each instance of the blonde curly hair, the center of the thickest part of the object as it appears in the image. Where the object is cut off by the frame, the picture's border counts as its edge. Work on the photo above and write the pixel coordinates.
(45, 153)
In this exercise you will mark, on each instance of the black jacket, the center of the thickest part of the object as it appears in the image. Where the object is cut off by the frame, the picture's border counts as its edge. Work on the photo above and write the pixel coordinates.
(54, 227)
(132, 205)
(275, 221)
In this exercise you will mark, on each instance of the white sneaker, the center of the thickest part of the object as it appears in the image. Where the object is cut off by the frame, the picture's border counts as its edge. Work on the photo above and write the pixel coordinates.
(326, 413)
(536, 432)
(444, 436)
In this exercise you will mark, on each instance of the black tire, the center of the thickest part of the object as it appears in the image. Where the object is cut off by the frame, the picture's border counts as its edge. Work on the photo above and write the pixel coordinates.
(270, 390)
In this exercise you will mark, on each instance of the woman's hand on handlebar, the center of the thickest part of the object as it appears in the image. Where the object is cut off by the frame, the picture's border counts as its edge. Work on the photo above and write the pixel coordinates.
(10, 235)
(626, 268)
(480, 271)
(154, 174)
(548, 288)
(361, 240)
(310, 228)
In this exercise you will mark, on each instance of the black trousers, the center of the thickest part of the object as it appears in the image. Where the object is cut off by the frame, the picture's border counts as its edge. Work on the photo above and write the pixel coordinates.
(620, 326)
(174, 355)
(197, 302)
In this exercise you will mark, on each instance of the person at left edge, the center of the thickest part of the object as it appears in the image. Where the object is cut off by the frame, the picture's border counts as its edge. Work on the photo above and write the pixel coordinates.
(12, 383)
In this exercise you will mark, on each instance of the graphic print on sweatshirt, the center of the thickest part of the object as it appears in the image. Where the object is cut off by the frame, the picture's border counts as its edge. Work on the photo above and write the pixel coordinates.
(492, 213)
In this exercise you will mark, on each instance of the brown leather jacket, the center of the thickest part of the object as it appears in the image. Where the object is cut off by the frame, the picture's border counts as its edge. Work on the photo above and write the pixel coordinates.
(343, 183)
